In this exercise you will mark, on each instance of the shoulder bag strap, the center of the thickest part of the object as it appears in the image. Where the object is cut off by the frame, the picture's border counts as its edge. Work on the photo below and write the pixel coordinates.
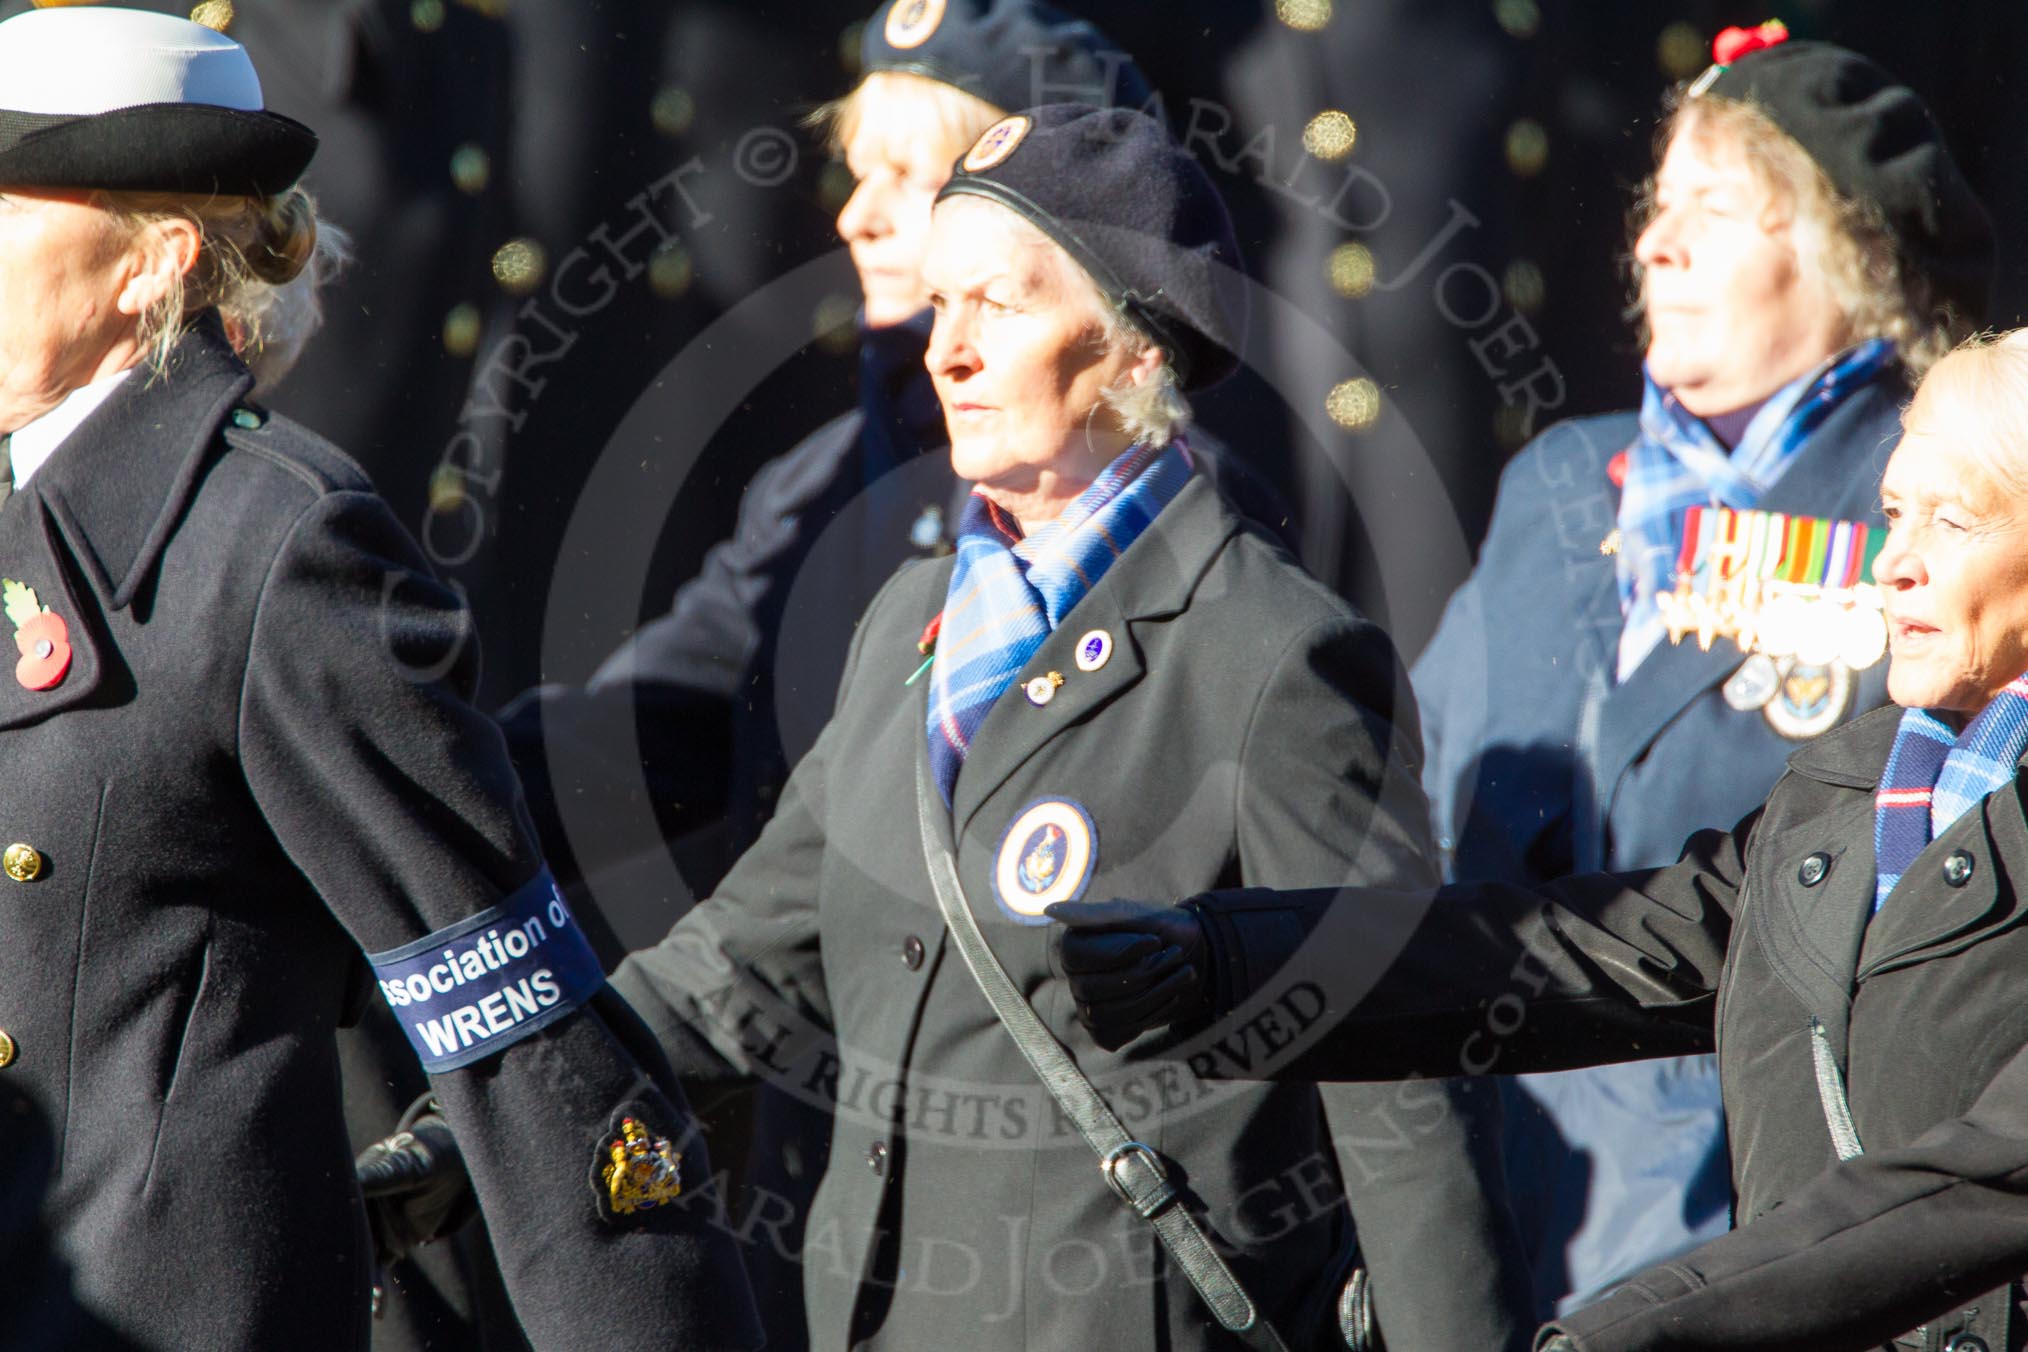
(1133, 1170)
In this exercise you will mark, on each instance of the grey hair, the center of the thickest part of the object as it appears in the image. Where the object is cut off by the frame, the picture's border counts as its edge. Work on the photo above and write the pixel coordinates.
(1152, 411)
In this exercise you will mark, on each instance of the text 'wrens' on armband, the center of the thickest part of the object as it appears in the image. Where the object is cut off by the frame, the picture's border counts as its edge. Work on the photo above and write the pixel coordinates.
(481, 985)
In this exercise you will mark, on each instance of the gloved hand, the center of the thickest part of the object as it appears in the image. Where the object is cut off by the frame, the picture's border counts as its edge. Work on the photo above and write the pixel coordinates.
(1132, 966)
(415, 1183)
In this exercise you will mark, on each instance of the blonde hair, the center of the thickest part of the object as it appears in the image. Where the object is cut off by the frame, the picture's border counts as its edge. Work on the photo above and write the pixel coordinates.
(248, 249)
(900, 107)
(1845, 242)
(1977, 396)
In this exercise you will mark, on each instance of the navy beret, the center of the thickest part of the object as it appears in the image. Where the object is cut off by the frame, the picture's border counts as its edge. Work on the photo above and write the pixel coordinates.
(1011, 53)
(1135, 210)
(1877, 143)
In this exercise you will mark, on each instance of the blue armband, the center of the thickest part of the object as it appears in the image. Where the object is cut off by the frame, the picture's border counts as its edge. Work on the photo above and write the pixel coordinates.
(490, 980)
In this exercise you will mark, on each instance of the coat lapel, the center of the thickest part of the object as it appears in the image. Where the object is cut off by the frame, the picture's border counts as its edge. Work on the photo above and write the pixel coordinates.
(117, 496)
(34, 558)
(1924, 916)
(85, 531)
(1837, 474)
(1152, 579)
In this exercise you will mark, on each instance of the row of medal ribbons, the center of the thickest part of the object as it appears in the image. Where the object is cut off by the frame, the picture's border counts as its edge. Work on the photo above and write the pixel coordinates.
(1785, 586)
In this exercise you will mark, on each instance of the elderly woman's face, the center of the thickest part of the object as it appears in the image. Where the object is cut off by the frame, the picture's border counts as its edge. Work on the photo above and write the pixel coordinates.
(886, 221)
(63, 267)
(1733, 312)
(1955, 570)
(1018, 360)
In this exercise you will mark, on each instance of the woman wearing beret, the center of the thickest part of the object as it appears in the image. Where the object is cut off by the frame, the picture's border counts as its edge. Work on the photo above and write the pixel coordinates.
(238, 756)
(710, 704)
(1125, 684)
(1854, 945)
(1805, 247)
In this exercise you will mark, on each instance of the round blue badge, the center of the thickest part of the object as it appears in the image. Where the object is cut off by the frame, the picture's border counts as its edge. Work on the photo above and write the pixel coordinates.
(1047, 854)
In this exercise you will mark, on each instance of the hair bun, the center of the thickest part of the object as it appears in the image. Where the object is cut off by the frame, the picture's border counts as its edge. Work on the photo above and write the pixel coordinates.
(285, 237)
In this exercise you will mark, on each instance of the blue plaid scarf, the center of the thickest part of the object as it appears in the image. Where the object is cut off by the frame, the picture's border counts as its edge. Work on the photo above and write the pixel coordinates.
(1678, 464)
(1935, 776)
(1007, 593)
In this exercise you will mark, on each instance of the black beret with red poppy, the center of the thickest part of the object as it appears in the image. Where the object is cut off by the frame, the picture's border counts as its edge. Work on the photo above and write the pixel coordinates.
(1877, 143)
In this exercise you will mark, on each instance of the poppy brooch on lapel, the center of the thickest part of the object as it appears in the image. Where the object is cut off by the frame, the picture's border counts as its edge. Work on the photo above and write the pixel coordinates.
(40, 635)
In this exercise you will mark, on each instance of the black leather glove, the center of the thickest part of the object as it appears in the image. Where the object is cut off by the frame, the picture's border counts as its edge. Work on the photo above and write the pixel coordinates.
(1132, 966)
(415, 1184)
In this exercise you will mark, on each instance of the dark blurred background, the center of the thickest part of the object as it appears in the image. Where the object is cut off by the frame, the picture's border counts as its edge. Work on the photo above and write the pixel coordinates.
(551, 199)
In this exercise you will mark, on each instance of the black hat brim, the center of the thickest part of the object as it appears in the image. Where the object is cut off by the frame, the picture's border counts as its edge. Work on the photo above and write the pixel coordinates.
(156, 147)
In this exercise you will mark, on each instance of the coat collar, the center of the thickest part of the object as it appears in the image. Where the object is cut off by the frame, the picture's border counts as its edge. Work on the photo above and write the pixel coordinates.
(1155, 578)
(1837, 474)
(120, 482)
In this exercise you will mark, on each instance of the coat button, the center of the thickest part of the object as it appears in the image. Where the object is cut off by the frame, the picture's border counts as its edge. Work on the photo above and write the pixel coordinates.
(1814, 868)
(22, 862)
(911, 952)
(1958, 868)
(876, 1158)
(7, 1050)
(1966, 1342)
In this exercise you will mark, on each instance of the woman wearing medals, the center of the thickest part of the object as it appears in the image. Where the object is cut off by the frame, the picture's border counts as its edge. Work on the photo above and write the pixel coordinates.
(1667, 592)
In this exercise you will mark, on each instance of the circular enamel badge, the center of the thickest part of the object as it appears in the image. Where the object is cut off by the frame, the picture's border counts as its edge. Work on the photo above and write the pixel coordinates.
(1093, 650)
(996, 143)
(1810, 700)
(910, 22)
(1046, 855)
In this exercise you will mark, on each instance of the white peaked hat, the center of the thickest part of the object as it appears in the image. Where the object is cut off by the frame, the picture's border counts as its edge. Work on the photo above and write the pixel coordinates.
(98, 97)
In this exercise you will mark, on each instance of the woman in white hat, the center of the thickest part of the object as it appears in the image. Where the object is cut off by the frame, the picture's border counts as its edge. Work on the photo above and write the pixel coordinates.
(238, 754)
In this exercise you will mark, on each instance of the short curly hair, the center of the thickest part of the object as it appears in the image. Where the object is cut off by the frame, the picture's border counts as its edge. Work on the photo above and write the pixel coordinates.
(1878, 287)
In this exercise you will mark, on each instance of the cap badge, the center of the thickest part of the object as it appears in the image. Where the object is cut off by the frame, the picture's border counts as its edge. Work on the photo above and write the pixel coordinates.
(996, 143)
(1046, 855)
(910, 22)
(645, 1171)
(1094, 650)
(40, 635)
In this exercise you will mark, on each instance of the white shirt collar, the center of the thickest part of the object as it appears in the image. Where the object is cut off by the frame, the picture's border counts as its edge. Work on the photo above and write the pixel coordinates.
(35, 443)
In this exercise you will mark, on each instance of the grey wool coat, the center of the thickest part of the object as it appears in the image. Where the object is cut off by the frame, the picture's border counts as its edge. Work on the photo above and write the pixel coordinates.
(258, 764)
(1762, 940)
(1247, 726)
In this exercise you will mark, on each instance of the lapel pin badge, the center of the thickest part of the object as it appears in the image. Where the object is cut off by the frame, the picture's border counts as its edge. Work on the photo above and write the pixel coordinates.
(40, 635)
(1094, 650)
(1042, 689)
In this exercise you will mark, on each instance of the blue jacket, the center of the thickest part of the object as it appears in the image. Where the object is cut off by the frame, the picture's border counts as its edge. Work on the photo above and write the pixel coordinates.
(1552, 769)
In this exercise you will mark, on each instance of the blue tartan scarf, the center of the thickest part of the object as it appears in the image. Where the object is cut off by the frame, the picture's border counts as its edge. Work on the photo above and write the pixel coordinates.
(1935, 776)
(1678, 463)
(1007, 593)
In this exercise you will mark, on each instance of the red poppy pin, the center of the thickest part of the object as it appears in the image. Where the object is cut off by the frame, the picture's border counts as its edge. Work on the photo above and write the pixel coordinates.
(40, 635)
(1734, 43)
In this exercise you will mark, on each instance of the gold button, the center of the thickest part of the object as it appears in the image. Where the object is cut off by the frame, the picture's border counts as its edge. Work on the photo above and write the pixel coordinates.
(7, 1050)
(22, 862)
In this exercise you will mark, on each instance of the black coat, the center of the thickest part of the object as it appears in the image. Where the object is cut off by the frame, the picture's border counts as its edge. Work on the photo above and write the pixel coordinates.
(258, 764)
(1240, 700)
(1751, 937)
